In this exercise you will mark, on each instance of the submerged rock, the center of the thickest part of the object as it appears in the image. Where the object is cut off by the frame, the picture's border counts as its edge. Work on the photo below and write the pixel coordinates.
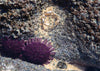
(75, 35)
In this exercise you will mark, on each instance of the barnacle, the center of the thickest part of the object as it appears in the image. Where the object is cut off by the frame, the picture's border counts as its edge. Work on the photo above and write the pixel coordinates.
(49, 19)
(38, 51)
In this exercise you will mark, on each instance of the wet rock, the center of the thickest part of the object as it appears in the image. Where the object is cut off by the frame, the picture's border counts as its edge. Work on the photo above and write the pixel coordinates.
(81, 48)
(11, 64)
(76, 38)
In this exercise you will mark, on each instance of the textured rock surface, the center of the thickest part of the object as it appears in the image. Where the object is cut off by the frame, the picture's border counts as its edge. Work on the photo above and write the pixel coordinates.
(75, 37)
(83, 46)
(18, 65)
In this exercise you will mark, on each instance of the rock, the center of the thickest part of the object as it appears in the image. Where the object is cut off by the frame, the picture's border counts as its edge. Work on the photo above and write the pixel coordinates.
(18, 65)
(79, 49)
(75, 37)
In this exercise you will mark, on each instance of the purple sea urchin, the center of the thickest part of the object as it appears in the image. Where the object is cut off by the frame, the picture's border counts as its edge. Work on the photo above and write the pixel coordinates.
(33, 50)
(12, 47)
(38, 51)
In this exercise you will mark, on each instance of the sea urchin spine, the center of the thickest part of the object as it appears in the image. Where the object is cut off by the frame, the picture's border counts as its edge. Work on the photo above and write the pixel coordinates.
(38, 51)
(12, 47)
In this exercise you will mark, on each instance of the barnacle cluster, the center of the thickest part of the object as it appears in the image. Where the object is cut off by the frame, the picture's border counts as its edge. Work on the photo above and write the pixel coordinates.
(33, 50)
(15, 17)
(86, 18)
(16, 10)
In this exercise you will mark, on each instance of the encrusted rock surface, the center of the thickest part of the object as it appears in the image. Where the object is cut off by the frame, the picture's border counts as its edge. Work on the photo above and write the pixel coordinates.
(18, 65)
(82, 44)
(73, 26)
